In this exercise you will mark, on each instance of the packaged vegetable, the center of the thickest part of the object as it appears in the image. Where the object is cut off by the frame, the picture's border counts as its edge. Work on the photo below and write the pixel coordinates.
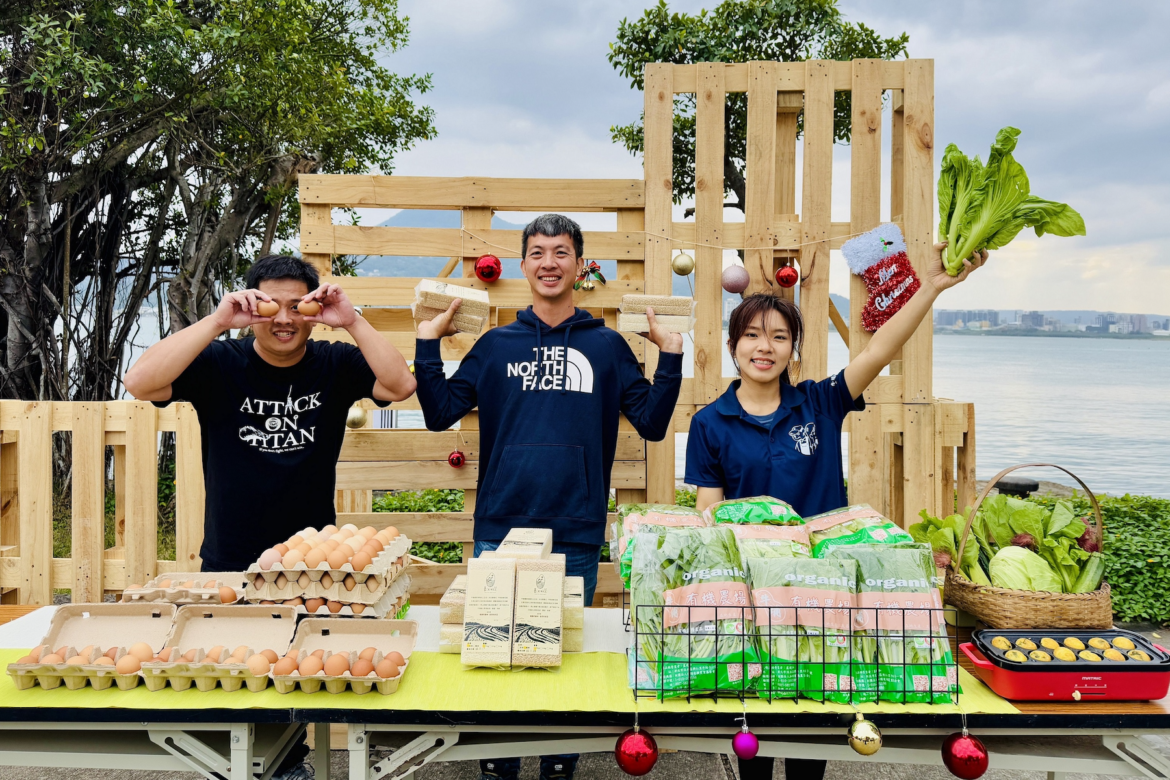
(633, 518)
(771, 541)
(701, 639)
(899, 605)
(857, 524)
(755, 510)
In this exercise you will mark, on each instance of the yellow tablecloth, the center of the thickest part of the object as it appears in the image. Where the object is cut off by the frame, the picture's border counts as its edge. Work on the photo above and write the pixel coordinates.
(588, 682)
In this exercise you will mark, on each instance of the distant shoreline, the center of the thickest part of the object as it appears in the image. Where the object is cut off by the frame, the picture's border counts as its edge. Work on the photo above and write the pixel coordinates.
(1053, 334)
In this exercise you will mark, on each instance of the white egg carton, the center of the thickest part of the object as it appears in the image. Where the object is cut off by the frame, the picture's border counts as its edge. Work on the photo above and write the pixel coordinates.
(349, 636)
(267, 585)
(101, 627)
(170, 588)
(200, 628)
(390, 604)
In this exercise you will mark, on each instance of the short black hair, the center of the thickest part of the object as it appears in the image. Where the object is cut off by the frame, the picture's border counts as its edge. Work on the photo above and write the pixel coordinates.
(552, 225)
(281, 267)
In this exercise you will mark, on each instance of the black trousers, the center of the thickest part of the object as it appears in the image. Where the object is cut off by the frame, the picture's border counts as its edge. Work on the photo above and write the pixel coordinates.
(761, 768)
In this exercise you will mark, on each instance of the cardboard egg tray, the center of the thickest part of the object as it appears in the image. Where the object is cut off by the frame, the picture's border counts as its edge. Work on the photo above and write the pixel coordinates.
(369, 583)
(200, 628)
(349, 636)
(392, 604)
(177, 594)
(76, 626)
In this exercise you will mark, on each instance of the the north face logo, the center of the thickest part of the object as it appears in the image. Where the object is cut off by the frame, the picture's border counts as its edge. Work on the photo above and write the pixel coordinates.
(557, 369)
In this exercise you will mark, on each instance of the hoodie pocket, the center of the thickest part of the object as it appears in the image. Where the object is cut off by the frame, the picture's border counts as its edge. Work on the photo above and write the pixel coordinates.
(539, 480)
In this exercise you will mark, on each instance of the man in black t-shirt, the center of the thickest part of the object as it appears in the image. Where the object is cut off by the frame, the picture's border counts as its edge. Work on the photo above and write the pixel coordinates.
(271, 408)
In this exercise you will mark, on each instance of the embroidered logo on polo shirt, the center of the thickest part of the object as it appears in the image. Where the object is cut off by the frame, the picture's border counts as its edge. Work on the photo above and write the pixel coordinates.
(805, 437)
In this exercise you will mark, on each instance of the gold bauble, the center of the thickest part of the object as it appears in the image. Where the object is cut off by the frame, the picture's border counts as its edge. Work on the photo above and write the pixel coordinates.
(864, 736)
(356, 418)
(682, 264)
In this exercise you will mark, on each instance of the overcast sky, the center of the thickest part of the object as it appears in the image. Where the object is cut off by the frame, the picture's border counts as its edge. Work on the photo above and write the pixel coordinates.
(523, 88)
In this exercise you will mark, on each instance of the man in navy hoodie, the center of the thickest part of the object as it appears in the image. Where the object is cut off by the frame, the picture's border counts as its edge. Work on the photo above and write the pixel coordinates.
(549, 388)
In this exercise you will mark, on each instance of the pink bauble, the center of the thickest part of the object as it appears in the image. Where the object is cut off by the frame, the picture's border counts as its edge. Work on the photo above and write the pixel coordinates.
(735, 279)
(745, 745)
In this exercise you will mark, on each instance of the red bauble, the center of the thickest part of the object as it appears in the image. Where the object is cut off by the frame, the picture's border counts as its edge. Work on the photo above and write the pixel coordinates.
(787, 276)
(456, 459)
(636, 752)
(964, 755)
(488, 268)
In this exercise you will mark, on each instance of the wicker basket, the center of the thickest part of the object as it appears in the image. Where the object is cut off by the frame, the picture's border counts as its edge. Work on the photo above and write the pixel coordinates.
(1007, 608)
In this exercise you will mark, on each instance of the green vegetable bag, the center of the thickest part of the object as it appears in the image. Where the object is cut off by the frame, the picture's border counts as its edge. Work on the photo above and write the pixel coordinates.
(771, 541)
(755, 510)
(898, 596)
(858, 524)
(633, 518)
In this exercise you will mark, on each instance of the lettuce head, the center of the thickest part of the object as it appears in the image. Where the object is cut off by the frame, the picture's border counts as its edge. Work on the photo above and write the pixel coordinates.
(1021, 569)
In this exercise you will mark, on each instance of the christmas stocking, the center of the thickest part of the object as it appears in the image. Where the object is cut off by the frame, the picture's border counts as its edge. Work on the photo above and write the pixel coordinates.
(879, 258)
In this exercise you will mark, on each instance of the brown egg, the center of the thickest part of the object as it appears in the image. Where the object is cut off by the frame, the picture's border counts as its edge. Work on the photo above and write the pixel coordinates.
(240, 652)
(309, 308)
(392, 532)
(62, 651)
(86, 651)
(267, 603)
(258, 583)
(52, 658)
(337, 664)
(164, 584)
(361, 561)
(281, 581)
(386, 669)
(361, 667)
(128, 664)
(303, 580)
(27, 659)
(76, 660)
(368, 531)
(367, 654)
(284, 666)
(395, 658)
(189, 656)
(296, 601)
(354, 543)
(281, 548)
(164, 654)
(189, 584)
(134, 587)
(349, 582)
(304, 548)
(294, 540)
(326, 580)
(311, 665)
(36, 653)
(312, 605)
(331, 528)
(339, 557)
(316, 557)
(357, 608)
(267, 308)
(270, 655)
(292, 558)
(210, 584)
(103, 661)
(227, 595)
(259, 665)
(141, 651)
(334, 606)
(214, 654)
(376, 544)
(319, 653)
(112, 652)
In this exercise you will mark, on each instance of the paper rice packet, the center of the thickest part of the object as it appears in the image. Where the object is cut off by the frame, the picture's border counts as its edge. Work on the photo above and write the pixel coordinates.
(640, 323)
(527, 543)
(438, 294)
(453, 600)
(670, 305)
(537, 623)
(464, 323)
(487, 615)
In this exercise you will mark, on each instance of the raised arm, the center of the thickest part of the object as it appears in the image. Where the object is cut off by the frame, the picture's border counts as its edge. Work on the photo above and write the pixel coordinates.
(650, 406)
(151, 376)
(444, 401)
(890, 337)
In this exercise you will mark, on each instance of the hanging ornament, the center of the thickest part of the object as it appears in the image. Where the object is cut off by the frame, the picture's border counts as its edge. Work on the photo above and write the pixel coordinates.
(488, 268)
(356, 417)
(964, 755)
(864, 736)
(682, 264)
(636, 752)
(456, 459)
(585, 278)
(735, 279)
(744, 743)
(787, 276)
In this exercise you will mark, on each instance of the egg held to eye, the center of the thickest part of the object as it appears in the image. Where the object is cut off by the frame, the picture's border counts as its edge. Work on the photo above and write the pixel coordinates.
(267, 308)
(309, 308)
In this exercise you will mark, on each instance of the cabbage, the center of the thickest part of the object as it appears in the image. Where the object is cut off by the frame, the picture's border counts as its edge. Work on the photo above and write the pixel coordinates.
(1021, 569)
(985, 207)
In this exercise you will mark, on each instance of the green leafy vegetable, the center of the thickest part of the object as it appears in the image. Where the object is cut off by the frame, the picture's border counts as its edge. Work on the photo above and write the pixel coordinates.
(633, 518)
(985, 207)
(858, 524)
(755, 510)
(1020, 569)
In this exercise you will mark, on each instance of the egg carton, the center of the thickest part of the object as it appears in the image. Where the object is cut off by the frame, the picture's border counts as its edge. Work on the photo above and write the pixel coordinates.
(392, 603)
(170, 588)
(266, 585)
(368, 591)
(348, 636)
(98, 626)
(198, 629)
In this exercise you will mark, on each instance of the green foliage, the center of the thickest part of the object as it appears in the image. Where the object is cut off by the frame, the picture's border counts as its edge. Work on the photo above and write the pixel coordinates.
(738, 31)
(426, 501)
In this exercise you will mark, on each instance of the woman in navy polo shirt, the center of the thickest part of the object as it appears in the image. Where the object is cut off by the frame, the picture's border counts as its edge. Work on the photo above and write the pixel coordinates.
(768, 437)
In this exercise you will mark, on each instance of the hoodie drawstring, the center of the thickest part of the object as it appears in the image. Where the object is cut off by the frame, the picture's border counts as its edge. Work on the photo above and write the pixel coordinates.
(565, 361)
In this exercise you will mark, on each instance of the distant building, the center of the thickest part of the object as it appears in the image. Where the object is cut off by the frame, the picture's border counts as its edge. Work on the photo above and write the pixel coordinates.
(1032, 319)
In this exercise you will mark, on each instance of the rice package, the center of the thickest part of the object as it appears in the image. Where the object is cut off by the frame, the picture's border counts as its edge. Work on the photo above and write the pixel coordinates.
(858, 524)
(898, 600)
(633, 518)
(702, 638)
(771, 541)
(755, 510)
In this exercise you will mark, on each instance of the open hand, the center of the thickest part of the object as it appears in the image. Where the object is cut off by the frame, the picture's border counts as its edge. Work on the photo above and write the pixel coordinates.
(937, 276)
(336, 310)
(443, 325)
(660, 336)
(238, 310)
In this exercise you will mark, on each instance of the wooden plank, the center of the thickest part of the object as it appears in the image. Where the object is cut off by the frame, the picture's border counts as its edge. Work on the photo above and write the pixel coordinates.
(658, 163)
(897, 157)
(430, 526)
(919, 463)
(868, 459)
(599, 245)
(708, 333)
(9, 515)
(378, 445)
(760, 196)
(425, 475)
(12, 412)
(816, 217)
(120, 494)
(88, 489)
(788, 108)
(505, 293)
(317, 216)
(433, 579)
(35, 480)
(451, 348)
(631, 220)
(190, 492)
(839, 323)
(965, 464)
(433, 192)
(918, 218)
(789, 76)
(141, 493)
(444, 242)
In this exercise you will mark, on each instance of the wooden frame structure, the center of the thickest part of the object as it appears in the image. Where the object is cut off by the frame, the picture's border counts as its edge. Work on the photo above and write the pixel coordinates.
(907, 451)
